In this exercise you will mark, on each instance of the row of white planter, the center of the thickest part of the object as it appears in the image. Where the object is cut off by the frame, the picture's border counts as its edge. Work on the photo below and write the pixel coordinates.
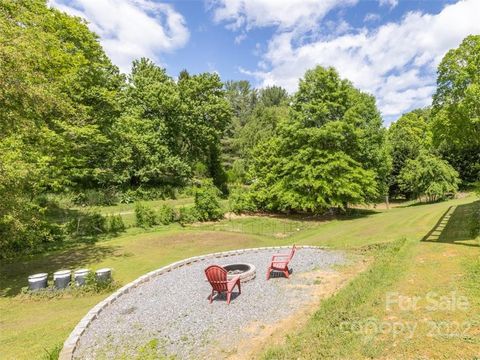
(62, 278)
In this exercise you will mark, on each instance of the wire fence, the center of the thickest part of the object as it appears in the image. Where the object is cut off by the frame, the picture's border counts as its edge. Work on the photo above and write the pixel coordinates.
(277, 229)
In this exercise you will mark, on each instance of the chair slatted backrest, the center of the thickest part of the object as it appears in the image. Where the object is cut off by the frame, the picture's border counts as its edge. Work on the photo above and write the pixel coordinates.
(292, 252)
(217, 277)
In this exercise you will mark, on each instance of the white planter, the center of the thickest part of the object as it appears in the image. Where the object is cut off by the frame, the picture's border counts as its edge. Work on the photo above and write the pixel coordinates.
(62, 278)
(37, 281)
(80, 276)
(104, 274)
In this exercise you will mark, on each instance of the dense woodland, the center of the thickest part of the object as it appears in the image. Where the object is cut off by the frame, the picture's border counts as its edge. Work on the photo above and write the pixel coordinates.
(72, 125)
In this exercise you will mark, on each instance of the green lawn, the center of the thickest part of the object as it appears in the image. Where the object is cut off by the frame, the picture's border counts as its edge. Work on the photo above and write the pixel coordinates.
(431, 275)
(28, 327)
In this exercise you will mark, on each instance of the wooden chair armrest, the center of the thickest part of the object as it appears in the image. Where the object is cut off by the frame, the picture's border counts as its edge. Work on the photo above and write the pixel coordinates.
(231, 283)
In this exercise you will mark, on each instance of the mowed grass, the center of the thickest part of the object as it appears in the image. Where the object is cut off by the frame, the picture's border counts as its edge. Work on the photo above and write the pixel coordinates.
(419, 300)
(29, 327)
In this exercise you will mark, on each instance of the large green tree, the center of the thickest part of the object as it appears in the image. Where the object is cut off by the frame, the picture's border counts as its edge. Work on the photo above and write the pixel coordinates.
(148, 135)
(58, 93)
(407, 137)
(428, 176)
(206, 114)
(168, 127)
(329, 153)
(260, 123)
(456, 108)
(242, 99)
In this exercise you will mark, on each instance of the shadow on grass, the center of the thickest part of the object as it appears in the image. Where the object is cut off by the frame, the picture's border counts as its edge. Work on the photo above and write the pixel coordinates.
(280, 225)
(14, 275)
(415, 203)
(453, 227)
(351, 213)
(58, 214)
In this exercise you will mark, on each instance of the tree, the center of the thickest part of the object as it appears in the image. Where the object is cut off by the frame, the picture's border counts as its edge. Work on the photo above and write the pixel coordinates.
(206, 114)
(149, 135)
(407, 137)
(242, 99)
(428, 176)
(260, 127)
(58, 100)
(456, 108)
(321, 157)
(56, 79)
(273, 96)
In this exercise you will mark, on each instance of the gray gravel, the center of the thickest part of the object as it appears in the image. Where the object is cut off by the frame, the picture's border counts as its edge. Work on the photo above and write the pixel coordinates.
(172, 311)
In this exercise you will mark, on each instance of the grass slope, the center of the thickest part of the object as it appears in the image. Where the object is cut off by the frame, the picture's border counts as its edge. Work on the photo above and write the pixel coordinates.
(436, 282)
(28, 327)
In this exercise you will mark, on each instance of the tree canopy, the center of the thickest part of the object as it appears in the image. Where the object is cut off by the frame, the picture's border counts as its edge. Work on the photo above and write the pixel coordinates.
(428, 176)
(407, 137)
(456, 108)
(71, 124)
(319, 157)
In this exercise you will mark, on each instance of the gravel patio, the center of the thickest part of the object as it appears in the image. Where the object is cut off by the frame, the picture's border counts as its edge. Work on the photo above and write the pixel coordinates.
(173, 309)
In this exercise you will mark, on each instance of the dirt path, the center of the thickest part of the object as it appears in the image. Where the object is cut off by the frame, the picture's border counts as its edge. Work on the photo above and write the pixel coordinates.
(430, 313)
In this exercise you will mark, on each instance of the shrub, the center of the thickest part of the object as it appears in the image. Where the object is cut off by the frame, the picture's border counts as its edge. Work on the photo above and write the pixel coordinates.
(94, 285)
(240, 202)
(188, 215)
(145, 216)
(27, 232)
(207, 202)
(237, 173)
(115, 224)
(87, 224)
(166, 214)
(429, 176)
(127, 196)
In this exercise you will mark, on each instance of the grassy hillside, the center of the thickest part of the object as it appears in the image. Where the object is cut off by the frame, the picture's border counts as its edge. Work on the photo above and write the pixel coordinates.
(28, 327)
(420, 300)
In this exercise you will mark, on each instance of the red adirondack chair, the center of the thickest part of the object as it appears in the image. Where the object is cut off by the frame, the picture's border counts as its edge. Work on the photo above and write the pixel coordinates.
(280, 262)
(217, 277)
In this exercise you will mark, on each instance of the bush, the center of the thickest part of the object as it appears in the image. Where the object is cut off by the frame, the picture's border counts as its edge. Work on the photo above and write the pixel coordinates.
(188, 215)
(87, 224)
(240, 202)
(115, 224)
(145, 216)
(428, 176)
(237, 173)
(166, 214)
(207, 202)
(127, 196)
(27, 232)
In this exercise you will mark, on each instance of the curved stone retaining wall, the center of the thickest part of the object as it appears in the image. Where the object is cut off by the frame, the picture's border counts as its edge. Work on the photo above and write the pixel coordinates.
(71, 343)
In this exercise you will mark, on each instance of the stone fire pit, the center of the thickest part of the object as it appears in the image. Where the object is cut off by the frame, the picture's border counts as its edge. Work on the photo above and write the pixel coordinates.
(246, 272)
